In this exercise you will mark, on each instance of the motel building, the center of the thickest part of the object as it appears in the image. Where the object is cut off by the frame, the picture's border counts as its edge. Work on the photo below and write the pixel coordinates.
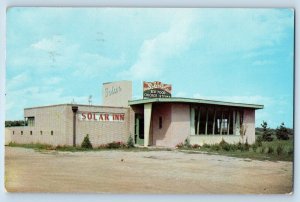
(156, 120)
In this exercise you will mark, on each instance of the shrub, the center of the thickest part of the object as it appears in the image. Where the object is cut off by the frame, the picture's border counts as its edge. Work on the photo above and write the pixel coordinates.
(115, 145)
(263, 148)
(86, 143)
(187, 143)
(259, 141)
(130, 142)
(267, 134)
(258, 150)
(291, 151)
(179, 145)
(195, 146)
(271, 150)
(207, 146)
(246, 145)
(215, 147)
(279, 150)
(282, 132)
(224, 145)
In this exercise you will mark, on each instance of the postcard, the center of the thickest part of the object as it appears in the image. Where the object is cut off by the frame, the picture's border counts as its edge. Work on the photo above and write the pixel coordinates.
(149, 100)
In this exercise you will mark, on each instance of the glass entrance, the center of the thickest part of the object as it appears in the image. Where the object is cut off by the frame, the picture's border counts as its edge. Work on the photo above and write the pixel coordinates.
(139, 129)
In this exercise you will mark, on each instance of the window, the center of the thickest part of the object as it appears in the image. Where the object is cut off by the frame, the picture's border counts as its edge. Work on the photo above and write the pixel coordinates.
(160, 122)
(30, 121)
(13, 132)
(21, 132)
(215, 120)
(41, 132)
(30, 132)
(51, 132)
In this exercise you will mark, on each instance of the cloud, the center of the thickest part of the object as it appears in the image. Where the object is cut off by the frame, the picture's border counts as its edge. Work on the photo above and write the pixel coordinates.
(154, 52)
(92, 64)
(52, 80)
(51, 44)
(17, 81)
(262, 62)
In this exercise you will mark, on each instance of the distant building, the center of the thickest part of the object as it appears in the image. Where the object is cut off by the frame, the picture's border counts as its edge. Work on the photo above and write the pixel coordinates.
(160, 121)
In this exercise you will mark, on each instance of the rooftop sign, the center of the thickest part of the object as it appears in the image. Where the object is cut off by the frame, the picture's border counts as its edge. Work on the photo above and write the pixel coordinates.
(156, 89)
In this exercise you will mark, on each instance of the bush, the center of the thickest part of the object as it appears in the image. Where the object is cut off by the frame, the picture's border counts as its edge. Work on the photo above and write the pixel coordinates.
(195, 146)
(187, 143)
(282, 132)
(215, 147)
(246, 146)
(115, 145)
(259, 141)
(130, 142)
(86, 143)
(279, 150)
(291, 151)
(267, 134)
(207, 146)
(271, 150)
(224, 145)
(179, 145)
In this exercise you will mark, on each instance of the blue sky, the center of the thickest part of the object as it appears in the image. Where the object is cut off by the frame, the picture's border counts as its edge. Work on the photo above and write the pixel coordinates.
(55, 55)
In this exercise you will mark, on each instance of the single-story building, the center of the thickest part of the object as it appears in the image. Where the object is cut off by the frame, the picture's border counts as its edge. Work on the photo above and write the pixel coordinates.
(159, 121)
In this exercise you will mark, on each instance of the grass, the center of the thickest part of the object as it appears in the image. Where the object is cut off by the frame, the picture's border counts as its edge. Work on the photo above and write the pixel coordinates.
(43, 147)
(277, 150)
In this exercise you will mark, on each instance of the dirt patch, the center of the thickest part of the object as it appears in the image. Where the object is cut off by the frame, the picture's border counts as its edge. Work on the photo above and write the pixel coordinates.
(166, 172)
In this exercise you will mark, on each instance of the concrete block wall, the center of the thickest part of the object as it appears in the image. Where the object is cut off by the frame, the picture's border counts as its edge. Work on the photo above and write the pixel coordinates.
(47, 119)
(99, 132)
(59, 119)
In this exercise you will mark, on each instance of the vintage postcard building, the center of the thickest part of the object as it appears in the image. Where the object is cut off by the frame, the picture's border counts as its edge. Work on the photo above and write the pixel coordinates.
(149, 100)
(159, 120)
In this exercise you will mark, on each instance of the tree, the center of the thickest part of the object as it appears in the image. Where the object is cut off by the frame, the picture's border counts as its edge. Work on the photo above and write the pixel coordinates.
(282, 132)
(86, 143)
(267, 134)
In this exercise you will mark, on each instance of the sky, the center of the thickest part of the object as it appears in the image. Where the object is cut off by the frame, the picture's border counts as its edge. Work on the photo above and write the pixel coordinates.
(57, 55)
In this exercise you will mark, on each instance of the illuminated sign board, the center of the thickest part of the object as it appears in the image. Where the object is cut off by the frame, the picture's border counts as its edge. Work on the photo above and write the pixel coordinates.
(156, 89)
(101, 116)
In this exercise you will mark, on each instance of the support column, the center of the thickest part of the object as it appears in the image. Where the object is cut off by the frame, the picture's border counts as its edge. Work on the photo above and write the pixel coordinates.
(221, 123)
(74, 109)
(147, 122)
(192, 121)
(237, 132)
(198, 123)
(228, 123)
(206, 121)
(214, 123)
(233, 122)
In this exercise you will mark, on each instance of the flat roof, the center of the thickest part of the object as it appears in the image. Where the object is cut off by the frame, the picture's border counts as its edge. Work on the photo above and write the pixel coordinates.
(192, 100)
(79, 105)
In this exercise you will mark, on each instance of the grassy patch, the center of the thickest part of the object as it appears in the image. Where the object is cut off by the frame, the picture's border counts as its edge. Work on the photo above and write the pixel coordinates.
(277, 150)
(42, 147)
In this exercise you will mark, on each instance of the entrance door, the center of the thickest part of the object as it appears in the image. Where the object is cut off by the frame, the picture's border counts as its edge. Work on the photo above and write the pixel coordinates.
(139, 129)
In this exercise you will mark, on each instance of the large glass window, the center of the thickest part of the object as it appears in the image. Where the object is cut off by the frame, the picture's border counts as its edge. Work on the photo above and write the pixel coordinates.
(213, 120)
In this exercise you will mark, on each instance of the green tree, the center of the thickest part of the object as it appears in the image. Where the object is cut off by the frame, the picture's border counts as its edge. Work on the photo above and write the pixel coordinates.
(282, 132)
(267, 134)
(86, 143)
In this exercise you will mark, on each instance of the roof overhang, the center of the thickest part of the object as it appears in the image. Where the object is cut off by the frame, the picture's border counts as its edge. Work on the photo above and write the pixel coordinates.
(193, 101)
